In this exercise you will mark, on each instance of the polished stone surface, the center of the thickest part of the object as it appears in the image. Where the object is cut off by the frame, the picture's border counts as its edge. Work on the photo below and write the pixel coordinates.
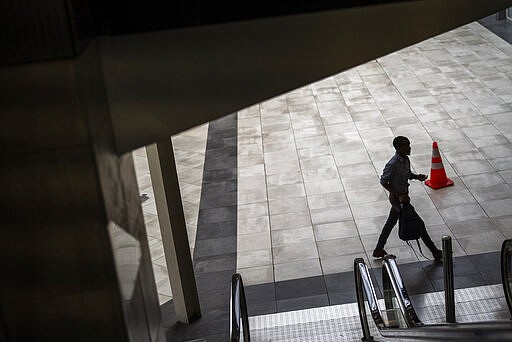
(308, 199)
(319, 151)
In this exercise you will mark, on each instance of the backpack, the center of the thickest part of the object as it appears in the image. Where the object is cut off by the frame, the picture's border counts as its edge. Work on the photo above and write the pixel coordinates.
(410, 224)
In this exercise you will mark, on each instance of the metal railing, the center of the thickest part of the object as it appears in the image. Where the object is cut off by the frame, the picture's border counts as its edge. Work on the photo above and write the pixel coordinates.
(399, 319)
(506, 271)
(449, 292)
(238, 311)
(395, 293)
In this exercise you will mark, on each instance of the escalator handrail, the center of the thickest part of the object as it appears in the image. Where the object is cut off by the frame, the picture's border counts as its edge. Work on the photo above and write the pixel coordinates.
(364, 287)
(392, 280)
(238, 311)
(488, 331)
(506, 251)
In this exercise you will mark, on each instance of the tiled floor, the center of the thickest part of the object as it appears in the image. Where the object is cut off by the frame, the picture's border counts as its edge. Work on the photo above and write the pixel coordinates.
(309, 161)
(341, 322)
(308, 199)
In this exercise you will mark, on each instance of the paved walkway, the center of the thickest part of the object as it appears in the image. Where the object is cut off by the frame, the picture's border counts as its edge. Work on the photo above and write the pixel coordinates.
(309, 161)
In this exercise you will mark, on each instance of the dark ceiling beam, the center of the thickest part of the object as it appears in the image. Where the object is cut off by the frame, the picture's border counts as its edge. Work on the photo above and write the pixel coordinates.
(162, 83)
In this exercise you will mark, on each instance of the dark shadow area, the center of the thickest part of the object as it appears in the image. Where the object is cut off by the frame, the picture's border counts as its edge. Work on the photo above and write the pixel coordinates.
(339, 288)
(500, 27)
(134, 17)
(216, 238)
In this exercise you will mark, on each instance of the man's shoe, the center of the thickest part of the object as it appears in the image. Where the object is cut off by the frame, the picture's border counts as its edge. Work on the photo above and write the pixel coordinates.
(379, 253)
(438, 255)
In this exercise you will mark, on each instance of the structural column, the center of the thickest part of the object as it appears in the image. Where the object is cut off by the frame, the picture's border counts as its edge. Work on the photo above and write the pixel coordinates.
(173, 227)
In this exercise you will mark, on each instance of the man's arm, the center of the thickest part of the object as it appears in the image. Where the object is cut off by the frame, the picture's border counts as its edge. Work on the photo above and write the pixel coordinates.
(421, 177)
(387, 175)
(385, 179)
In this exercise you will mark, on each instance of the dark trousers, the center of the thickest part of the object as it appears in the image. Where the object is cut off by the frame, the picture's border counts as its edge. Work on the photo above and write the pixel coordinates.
(394, 214)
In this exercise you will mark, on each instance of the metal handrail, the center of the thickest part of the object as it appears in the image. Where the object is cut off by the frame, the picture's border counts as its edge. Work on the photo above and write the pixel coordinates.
(506, 277)
(449, 287)
(364, 282)
(488, 331)
(393, 284)
(238, 311)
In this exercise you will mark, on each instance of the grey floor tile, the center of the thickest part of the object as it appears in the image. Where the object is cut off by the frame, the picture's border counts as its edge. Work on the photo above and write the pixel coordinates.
(279, 192)
(480, 131)
(482, 243)
(283, 178)
(487, 141)
(253, 210)
(339, 264)
(319, 175)
(497, 151)
(340, 247)
(335, 230)
(294, 252)
(290, 220)
(495, 192)
(312, 152)
(254, 258)
(501, 164)
(330, 215)
(288, 205)
(451, 196)
(282, 167)
(302, 303)
(213, 247)
(495, 208)
(482, 180)
(253, 225)
(310, 142)
(462, 212)
(297, 269)
(271, 158)
(254, 241)
(371, 225)
(352, 157)
(361, 182)
(367, 210)
(365, 196)
(503, 222)
(323, 187)
(357, 170)
(472, 227)
(315, 163)
(332, 199)
(290, 236)
(257, 275)
(253, 196)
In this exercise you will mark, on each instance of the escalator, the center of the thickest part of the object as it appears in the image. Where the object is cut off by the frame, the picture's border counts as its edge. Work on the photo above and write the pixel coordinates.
(398, 319)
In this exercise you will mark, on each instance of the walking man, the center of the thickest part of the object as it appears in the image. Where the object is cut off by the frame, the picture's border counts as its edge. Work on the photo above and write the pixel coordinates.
(394, 179)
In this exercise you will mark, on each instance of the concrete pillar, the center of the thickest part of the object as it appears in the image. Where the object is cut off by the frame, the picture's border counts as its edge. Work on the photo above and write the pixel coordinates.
(169, 207)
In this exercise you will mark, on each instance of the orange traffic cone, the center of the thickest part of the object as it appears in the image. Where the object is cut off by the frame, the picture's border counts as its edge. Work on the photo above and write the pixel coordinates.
(438, 177)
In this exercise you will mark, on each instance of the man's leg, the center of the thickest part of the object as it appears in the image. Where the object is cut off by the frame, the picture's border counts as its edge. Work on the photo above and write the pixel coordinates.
(431, 246)
(388, 227)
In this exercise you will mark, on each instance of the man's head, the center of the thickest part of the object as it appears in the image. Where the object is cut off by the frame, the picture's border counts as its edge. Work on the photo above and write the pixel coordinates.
(402, 145)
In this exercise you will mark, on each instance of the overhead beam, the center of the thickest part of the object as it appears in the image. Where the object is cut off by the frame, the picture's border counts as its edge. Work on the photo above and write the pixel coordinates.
(162, 83)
